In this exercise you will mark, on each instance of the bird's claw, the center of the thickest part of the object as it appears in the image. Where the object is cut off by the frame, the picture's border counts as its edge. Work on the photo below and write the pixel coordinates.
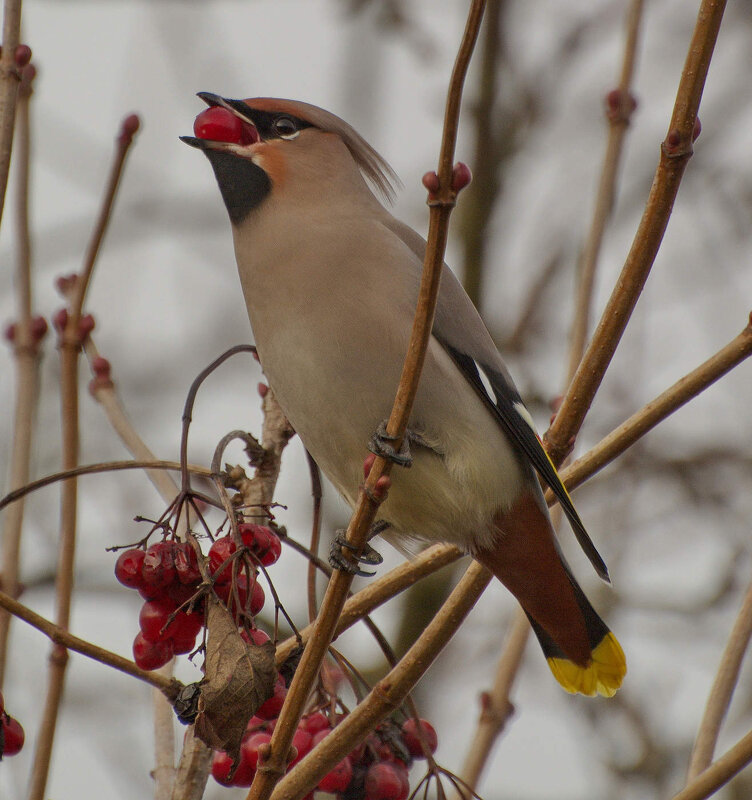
(381, 445)
(367, 556)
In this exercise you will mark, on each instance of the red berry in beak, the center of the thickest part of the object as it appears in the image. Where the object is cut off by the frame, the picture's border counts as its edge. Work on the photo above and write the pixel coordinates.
(218, 125)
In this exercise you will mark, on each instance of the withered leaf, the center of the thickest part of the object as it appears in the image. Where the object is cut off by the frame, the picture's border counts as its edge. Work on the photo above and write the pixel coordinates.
(238, 679)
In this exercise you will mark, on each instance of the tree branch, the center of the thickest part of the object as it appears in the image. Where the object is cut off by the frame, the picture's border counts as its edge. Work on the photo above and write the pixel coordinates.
(675, 152)
(441, 203)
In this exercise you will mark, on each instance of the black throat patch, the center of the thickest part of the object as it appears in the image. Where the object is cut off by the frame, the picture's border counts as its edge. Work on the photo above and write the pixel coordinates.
(243, 184)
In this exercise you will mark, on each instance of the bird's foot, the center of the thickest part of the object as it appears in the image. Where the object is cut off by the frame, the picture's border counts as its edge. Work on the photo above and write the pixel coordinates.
(368, 556)
(382, 444)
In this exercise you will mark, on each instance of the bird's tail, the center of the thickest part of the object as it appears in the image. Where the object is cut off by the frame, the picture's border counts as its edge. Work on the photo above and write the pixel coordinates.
(583, 654)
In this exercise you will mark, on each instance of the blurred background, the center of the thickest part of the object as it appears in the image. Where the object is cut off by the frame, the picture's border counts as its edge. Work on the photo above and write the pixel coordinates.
(671, 517)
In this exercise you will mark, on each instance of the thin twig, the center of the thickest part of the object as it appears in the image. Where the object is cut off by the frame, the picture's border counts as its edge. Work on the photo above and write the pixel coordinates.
(94, 469)
(379, 592)
(103, 391)
(390, 692)
(27, 338)
(69, 344)
(604, 203)
(719, 772)
(8, 89)
(315, 473)
(170, 687)
(659, 409)
(255, 497)
(441, 204)
(128, 129)
(675, 153)
(722, 691)
(496, 706)
(102, 388)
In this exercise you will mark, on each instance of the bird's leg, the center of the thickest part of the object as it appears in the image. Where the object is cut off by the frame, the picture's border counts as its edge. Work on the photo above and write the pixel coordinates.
(368, 556)
(381, 444)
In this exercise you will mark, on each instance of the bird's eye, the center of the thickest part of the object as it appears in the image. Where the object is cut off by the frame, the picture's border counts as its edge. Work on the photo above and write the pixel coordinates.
(286, 127)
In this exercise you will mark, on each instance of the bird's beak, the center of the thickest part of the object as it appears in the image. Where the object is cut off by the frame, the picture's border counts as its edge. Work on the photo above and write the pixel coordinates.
(248, 132)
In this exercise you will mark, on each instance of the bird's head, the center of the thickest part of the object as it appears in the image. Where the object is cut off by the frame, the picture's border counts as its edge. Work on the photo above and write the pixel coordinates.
(266, 145)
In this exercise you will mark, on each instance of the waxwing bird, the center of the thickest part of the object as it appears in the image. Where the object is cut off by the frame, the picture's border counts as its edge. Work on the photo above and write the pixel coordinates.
(331, 280)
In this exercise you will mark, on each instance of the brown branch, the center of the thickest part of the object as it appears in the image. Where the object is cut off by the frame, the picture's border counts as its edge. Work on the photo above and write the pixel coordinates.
(722, 691)
(315, 473)
(27, 337)
(390, 692)
(102, 389)
(163, 773)
(496, 707)
(441, 203)
(618, 123)
(128, 129)
(170, 687)
(719, 772)
(496, 704)
(9, 79)
(69, 344)
(94, 469)
(657, 410)
(255, 496)
(675, 152)
(379, 592)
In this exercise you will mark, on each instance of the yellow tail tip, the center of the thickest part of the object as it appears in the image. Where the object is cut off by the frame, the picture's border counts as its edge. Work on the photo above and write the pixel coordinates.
(603, 675)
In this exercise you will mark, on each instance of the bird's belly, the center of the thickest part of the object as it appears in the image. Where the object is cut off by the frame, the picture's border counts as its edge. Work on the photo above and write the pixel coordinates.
(456, 484)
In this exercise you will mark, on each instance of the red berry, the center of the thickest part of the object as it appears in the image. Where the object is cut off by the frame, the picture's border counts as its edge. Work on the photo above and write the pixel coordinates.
(179, 594)
(158, 569)
(13, 736)
(412, 739)
(255, 724)
(218, 125)
(182, 646)
(249, 750)
(384, 782)
(219, 552)
(254, 636)
(128, 568)
(268, 546)
(338, 779)
(270, 708)
(315, 722)
(222, 766)
(151, 655)
(249, 593)
(186, 563)
(302, 741)
(153, 617)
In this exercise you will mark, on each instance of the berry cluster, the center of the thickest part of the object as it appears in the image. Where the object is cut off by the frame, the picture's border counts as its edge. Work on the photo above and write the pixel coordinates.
(11, 732)
(375, 770)
(167, 576)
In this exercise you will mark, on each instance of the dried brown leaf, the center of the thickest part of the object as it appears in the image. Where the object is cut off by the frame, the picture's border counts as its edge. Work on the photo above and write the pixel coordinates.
(238, 679)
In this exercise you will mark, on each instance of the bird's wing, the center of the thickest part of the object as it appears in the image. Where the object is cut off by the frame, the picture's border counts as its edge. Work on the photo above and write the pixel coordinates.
(460, 330)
